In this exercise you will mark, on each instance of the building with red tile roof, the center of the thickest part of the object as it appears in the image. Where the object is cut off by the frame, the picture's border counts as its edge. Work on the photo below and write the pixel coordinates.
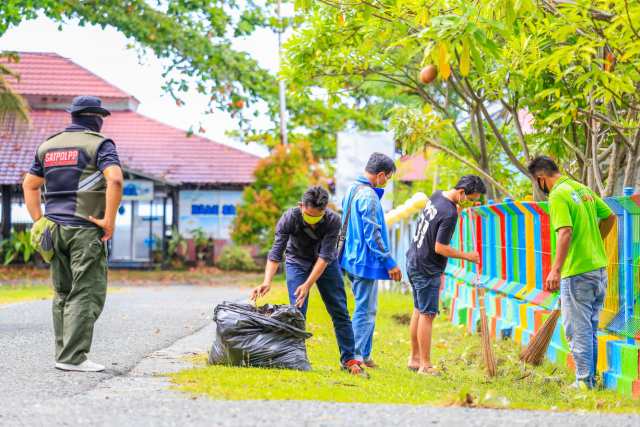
(53, 75)
(49, 82)
(144, 145)
(202, 179)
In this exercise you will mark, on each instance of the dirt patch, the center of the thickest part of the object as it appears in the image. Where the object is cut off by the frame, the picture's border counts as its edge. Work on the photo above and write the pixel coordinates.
(401, 319)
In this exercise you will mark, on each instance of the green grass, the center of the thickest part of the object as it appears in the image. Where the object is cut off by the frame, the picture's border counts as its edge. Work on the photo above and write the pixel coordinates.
(207, 276)
(10, 294)
(457, 353)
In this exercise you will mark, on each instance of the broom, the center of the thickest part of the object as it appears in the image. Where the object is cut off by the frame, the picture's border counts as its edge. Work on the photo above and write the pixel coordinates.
(539, 343)
(487, 349)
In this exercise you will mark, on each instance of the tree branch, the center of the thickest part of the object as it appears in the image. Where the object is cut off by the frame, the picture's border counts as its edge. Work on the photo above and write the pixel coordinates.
(461, 159)
(575, 149)
(446, 113)
(595, 144)
(613, 166)
(617, 129)
(518, 126)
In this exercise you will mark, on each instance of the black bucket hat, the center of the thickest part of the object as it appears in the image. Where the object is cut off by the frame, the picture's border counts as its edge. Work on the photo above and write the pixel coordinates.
(87, 104)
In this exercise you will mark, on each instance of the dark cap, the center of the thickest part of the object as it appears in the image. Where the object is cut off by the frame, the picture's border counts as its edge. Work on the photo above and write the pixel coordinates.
(87, 104)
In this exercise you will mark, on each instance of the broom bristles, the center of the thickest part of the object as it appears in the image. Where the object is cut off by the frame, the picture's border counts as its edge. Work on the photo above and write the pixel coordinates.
(539, 343)
(487, 350)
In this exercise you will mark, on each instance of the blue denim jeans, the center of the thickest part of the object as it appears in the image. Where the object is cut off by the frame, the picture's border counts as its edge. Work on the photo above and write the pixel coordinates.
(582, 298)
(426, 292)
(365, 292)
(331, 288)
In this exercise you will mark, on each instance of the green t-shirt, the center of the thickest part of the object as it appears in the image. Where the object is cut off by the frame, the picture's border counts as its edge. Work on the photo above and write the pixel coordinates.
(574, 205)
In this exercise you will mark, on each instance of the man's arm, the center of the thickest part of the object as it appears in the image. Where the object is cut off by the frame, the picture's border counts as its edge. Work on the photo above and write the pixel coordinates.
(563, 243)
(373, 236)
(303, 290)
(606, 225)
(449, 252)
(31, 190)
(274, 258)
(269, 273)
(443, 240)
(115, 181)
(560, 213)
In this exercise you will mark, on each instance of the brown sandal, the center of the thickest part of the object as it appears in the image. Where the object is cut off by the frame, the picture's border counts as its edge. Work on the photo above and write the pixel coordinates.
(430, 370)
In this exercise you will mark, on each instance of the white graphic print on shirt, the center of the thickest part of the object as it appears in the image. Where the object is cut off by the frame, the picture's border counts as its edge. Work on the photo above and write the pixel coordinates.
(426, 217)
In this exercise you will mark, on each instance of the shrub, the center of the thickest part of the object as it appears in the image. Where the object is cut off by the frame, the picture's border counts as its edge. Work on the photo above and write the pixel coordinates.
(281, 179)
(176, 250)
(17, 248)
(236, 258)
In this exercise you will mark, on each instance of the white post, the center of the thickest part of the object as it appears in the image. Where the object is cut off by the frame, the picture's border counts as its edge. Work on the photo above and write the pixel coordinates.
(281, 85)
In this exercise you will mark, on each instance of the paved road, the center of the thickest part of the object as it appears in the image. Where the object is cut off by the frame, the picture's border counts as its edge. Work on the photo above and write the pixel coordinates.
(135, 322)
(141, 331)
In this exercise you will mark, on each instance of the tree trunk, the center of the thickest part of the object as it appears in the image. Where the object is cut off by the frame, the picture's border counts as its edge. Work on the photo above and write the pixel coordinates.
(633, 156)
(478, 128)
(613, 167)
(6, 212)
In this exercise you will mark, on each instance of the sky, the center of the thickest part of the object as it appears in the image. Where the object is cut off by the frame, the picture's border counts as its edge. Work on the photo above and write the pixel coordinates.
(105, 53)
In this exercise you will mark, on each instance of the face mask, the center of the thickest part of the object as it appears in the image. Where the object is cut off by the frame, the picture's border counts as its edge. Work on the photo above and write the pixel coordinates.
(311, 219)
(466, 203)
(543, 187)
(386, 181)
(91, 122)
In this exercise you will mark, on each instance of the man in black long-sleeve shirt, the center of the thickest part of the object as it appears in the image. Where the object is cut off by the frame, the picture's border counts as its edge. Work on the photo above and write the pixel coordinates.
(308, 234)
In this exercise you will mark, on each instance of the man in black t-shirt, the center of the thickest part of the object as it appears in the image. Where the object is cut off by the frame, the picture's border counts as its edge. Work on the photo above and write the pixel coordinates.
(427, 260)
(306, 239)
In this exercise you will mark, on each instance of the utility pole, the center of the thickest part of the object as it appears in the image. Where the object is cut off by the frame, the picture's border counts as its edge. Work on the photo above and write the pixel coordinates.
(281, 85)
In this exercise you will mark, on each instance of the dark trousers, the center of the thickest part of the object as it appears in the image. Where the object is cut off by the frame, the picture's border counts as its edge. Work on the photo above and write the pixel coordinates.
(331, 288)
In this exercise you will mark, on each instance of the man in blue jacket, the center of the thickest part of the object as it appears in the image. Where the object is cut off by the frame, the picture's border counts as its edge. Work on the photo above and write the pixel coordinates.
(366, 254)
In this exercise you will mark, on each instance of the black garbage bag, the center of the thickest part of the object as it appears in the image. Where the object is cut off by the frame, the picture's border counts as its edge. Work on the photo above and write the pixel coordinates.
(271, 336)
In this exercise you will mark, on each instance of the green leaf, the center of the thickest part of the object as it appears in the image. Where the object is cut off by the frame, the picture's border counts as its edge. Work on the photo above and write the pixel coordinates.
(477, 59)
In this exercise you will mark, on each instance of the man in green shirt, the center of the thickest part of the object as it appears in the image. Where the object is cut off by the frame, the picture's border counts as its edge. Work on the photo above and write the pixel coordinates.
(581, 220)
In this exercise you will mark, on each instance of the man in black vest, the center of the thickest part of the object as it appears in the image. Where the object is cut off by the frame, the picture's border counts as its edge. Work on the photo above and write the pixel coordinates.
(82, 178)
(309, 234)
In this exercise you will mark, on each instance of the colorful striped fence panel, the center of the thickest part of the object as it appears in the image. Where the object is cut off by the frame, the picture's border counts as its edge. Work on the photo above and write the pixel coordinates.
(516, 246)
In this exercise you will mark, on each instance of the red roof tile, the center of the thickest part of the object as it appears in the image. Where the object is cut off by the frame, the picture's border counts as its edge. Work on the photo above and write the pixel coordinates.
(52, 74)
(145, 145)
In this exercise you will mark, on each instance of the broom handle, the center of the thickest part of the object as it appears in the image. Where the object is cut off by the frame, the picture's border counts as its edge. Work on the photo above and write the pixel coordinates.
(474, 239)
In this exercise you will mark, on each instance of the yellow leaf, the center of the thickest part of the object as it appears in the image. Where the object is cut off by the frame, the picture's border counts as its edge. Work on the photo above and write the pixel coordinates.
(423, 17)
(443, 62)
(465, 59)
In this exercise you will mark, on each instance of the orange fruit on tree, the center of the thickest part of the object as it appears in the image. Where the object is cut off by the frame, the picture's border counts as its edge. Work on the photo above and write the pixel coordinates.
(428, 74)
